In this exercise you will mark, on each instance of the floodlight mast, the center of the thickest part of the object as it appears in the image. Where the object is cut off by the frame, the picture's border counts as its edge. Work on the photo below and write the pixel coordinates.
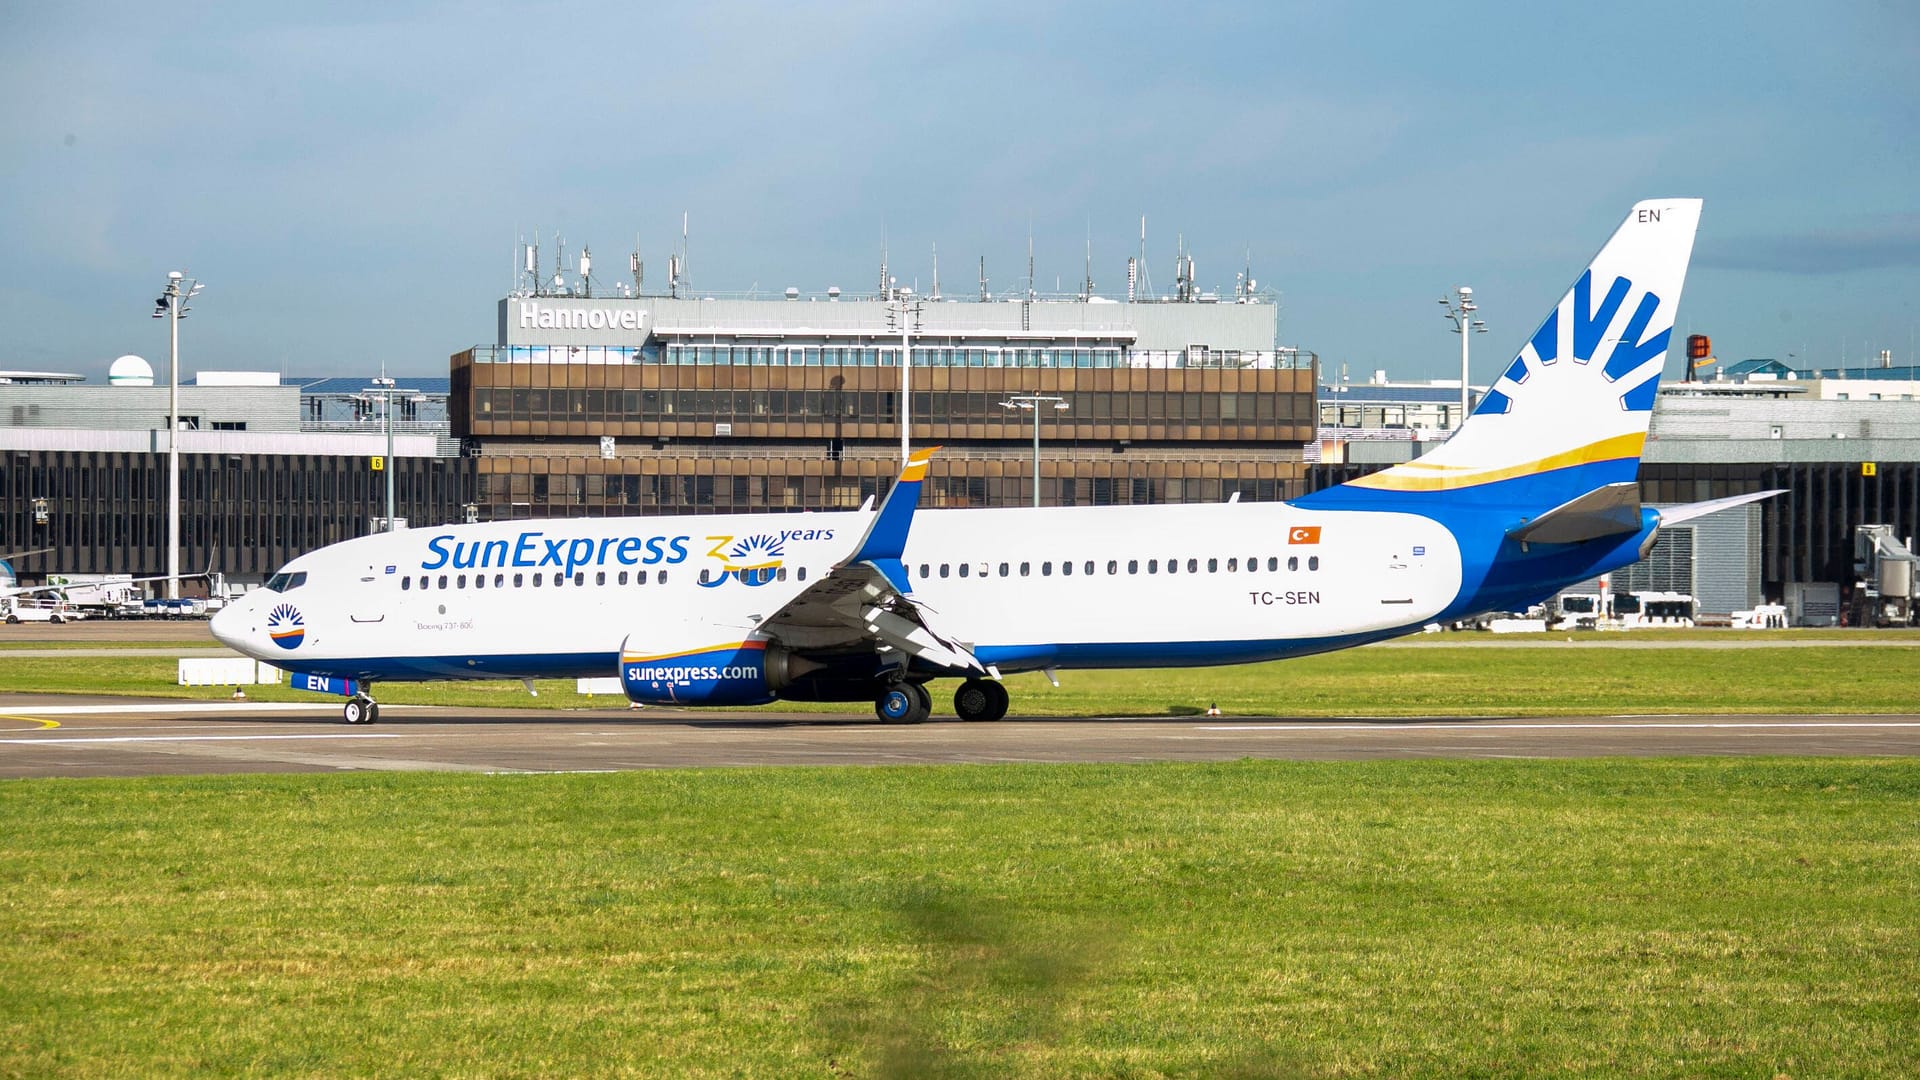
(1460, 307)
(172, 307)
(1032, 403)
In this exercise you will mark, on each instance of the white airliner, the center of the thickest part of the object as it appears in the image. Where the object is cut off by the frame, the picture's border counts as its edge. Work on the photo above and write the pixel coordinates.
(1535, 492)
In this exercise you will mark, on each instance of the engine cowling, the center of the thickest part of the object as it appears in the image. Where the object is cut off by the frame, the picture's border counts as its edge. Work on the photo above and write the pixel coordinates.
(750, 672)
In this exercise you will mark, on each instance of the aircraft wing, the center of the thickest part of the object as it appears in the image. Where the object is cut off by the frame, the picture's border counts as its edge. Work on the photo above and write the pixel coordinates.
(867, 598)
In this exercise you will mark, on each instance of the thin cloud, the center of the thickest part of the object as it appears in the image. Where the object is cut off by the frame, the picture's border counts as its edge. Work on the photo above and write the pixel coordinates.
(1892, 245)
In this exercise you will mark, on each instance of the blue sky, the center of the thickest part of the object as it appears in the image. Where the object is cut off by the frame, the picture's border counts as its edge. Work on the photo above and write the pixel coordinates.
(350, 181)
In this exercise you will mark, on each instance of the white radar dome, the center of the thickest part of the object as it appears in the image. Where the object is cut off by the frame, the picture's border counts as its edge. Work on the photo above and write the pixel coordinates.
(130, 371)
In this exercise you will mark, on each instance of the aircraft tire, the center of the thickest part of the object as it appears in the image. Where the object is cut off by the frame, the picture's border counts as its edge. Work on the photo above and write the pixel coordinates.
(902, 704)
(373, 712)
(980, 699)
(358, 710)
(925, 698)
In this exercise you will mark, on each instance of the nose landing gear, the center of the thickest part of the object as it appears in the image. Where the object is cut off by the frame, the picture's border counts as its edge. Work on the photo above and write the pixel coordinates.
(361, 709)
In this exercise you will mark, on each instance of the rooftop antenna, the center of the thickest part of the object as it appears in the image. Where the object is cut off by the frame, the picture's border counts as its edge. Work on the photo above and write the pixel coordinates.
(559, 259)
(983, 279)
(886, 285)
(1029, 256)
(533, 263)
(686, 251)
(635, 267)
(1146, 276)
(936, 272)
(1086, 288)
(586, 271)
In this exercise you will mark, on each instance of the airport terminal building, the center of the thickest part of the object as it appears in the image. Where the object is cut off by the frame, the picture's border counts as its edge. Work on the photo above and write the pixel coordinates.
(651, 404)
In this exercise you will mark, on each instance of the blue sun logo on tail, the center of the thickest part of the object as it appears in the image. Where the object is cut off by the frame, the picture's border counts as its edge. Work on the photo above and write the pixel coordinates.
(1588, 325)
(286, 627)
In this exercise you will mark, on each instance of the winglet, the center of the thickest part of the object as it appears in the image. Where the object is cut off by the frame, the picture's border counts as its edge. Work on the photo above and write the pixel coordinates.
(1674, 515)
(886, 538)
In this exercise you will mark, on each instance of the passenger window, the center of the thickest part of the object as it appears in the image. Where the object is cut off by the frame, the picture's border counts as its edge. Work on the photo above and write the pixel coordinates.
(479, 581)
(580, 578)
(405, 582)
(963, 569)
(559, 580)
(1213, 566)
(943, 569)
(1193, 566)
(600, 577)
(1066, 569)
(1293, 562)
(499, 580)
(781, 574)
(1153, 566)
(925, 571)
(1026, 569)
(1046, 569)
(703, 577)
(639, 577)
(1173, 566)
(622, 579)
(1253, 563)
(1233, 564)
(1089, 567)
(1003, 569)
(518, 580)
(536, 580)
(460, 582)
(1313, 562)
(1113, 567)
(803, 573)
(443, 580)
(663, 576)
(1273, 563)
(1133, 566)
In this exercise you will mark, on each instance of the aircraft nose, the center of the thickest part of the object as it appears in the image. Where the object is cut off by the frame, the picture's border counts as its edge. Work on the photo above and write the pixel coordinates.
(229, 626)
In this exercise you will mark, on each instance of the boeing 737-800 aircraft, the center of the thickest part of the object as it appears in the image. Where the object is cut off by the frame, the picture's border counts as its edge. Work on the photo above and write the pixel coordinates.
(1536, 491)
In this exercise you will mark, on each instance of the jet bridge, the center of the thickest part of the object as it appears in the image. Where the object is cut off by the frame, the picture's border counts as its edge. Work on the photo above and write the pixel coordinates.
(1885, 592)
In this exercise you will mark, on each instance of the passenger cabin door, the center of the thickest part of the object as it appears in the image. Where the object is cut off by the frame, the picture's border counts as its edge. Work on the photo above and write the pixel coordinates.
(369, 603)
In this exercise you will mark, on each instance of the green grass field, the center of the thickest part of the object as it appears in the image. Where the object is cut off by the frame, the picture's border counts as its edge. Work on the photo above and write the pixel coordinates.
(1441, 680)
(1751, 918)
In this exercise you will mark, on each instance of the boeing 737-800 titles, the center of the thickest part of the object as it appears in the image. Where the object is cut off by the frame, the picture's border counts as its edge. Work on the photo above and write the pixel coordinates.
(1536, 491)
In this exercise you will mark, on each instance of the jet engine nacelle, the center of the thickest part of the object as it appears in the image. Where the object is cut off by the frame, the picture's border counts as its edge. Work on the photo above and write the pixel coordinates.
(750, 672)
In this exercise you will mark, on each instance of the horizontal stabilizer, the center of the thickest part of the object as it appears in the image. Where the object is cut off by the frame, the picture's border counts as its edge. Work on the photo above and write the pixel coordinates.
(1611, 510)
(1673, 515)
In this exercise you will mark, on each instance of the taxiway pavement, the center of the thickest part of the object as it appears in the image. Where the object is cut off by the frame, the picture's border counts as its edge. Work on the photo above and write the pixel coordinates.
(65, 736)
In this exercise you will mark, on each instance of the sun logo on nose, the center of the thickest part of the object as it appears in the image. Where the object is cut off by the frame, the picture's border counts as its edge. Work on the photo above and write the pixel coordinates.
(286, 627)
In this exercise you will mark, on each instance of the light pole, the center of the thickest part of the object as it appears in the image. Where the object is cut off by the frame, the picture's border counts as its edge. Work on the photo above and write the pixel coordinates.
(172, 306)
(907, 312)
(1032, 403)
(384, 385)
(1460, 308)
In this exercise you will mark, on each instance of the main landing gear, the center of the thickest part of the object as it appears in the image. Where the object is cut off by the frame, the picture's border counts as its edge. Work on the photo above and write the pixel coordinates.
(980, 699)
(910, 703)
(904, 703)
(361, 709)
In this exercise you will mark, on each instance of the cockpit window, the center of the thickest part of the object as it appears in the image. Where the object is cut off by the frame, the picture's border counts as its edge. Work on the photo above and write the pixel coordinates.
(285, 582)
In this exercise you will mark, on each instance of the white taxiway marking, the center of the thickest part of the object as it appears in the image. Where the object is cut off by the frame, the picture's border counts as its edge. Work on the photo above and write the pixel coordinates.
(192, 738)
(1629, 726)
(182, 707)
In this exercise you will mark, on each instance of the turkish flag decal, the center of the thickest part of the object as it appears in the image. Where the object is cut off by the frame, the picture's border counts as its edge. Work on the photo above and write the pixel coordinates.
(1303, 534)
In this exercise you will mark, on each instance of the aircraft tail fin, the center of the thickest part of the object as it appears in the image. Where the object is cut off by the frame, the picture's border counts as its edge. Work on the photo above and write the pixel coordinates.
(1569, 414)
